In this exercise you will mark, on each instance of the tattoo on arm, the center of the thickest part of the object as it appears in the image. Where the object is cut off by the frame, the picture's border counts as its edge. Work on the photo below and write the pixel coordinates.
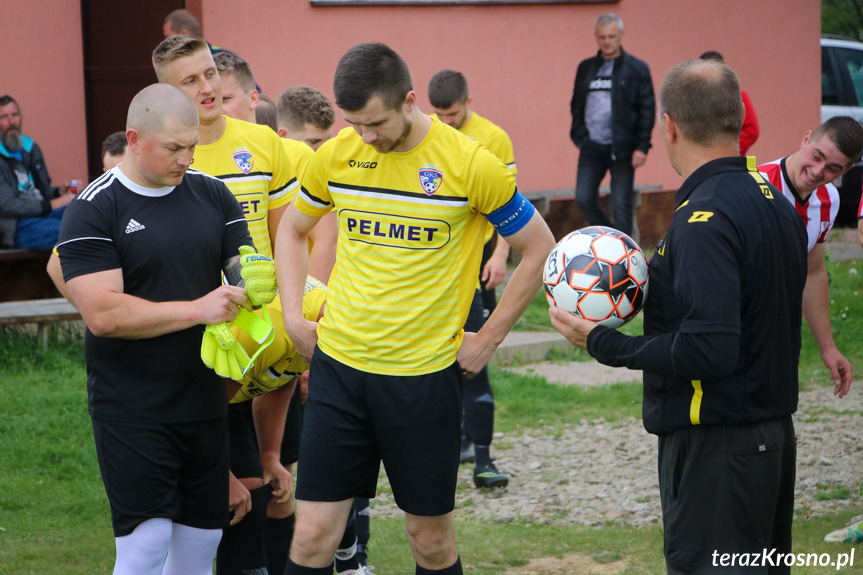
(232, 268)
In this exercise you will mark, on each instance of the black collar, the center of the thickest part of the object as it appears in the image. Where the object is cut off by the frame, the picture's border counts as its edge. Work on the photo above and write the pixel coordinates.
(710, 169)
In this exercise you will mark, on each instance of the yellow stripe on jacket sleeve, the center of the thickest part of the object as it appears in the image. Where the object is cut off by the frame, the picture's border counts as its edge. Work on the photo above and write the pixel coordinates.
(695, 406)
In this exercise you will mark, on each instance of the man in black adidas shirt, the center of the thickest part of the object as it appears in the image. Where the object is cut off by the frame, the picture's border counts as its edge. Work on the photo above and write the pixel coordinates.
(722, 338)
(146, 282)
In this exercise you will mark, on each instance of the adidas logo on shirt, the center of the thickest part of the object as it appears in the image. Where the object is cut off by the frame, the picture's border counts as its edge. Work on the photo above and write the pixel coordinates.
(134, 226)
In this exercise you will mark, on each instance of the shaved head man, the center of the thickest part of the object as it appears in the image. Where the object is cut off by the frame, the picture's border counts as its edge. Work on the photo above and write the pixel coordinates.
(146, 283)
(162, 131)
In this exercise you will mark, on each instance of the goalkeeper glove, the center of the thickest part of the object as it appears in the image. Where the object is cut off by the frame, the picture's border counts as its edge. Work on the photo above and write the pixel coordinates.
(221, 352)
(259, 271)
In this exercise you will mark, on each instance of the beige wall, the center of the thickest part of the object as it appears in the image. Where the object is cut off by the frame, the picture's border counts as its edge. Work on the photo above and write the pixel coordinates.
(42, 67)
(520, 62)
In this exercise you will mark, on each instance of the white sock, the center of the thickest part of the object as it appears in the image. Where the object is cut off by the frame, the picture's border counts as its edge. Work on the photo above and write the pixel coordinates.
(144, 550)
(192, 551)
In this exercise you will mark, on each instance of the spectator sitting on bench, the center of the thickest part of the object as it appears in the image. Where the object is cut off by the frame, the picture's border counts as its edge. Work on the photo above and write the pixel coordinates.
(30, 209)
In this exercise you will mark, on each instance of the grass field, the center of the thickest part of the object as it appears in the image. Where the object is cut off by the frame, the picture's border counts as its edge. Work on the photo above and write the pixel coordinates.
(54, 516)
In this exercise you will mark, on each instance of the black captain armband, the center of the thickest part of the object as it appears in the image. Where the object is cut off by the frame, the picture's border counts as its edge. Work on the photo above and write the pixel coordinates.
(512, 216)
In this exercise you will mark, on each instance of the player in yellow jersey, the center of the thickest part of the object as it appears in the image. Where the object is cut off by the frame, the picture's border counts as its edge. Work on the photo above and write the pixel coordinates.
(412, 198)
(237, 76)
(266, 113)
(450, 98)
(247, 157)
(305, 114)
(305, 120)
(251, 162)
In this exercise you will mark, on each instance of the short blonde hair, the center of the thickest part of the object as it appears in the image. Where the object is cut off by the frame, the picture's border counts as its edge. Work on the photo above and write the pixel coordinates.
(175, 47)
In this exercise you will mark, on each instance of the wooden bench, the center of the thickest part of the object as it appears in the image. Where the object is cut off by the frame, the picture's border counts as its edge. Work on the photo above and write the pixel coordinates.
(40, 311)
(24, 275)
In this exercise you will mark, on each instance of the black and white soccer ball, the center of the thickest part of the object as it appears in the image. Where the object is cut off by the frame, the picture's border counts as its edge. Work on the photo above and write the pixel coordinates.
(597, 273)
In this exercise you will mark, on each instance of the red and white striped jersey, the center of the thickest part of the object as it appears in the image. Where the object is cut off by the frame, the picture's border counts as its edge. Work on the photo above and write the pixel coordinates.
(818, 211)
(860, 209)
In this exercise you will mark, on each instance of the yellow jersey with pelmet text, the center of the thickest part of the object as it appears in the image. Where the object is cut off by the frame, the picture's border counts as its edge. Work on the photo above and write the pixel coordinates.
(300, 154)
(410, 239)
(251, 161)
(280, 363)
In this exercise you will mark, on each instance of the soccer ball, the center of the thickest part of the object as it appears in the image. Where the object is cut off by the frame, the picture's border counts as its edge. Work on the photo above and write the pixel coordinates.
(597, 273)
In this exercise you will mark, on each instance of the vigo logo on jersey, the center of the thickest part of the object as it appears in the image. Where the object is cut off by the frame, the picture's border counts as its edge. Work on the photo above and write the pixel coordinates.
(244, 160)
(394, 231)
(367, 165)
(253, 205)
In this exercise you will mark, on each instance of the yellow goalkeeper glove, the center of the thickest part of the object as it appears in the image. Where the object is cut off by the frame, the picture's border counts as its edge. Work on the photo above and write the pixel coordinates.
(221, 352)
(259, 271)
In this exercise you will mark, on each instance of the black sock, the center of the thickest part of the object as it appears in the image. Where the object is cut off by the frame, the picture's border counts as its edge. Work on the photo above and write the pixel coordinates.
(478, 423)
(242, 545)
(277, 539)
(346, 554)
(363, 523)
(483, 457)
(294, 569)
(454, 569)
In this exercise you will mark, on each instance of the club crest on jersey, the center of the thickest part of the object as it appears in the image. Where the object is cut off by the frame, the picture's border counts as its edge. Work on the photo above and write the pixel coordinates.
(244, 160)
(431, 180)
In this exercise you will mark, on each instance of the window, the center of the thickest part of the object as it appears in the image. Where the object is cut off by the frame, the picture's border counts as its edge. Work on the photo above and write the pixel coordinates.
(829, 81)
(854, 63)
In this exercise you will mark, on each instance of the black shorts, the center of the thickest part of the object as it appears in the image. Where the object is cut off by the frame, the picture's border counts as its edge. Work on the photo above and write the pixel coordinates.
(354, 420)
(245, 456)
(293, 430)
(176, 471)
(726, 489)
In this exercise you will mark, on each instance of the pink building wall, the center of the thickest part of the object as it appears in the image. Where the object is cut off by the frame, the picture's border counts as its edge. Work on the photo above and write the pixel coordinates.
(42, 67)
(519, 60)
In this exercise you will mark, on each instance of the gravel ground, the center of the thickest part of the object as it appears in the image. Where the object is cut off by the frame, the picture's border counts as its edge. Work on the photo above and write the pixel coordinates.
(597, 471)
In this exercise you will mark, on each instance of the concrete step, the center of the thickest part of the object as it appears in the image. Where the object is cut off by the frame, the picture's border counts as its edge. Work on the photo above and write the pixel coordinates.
(527, 347)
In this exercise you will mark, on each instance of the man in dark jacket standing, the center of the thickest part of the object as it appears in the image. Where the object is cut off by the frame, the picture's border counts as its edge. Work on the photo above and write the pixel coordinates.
(613, 111)
(30, 208)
